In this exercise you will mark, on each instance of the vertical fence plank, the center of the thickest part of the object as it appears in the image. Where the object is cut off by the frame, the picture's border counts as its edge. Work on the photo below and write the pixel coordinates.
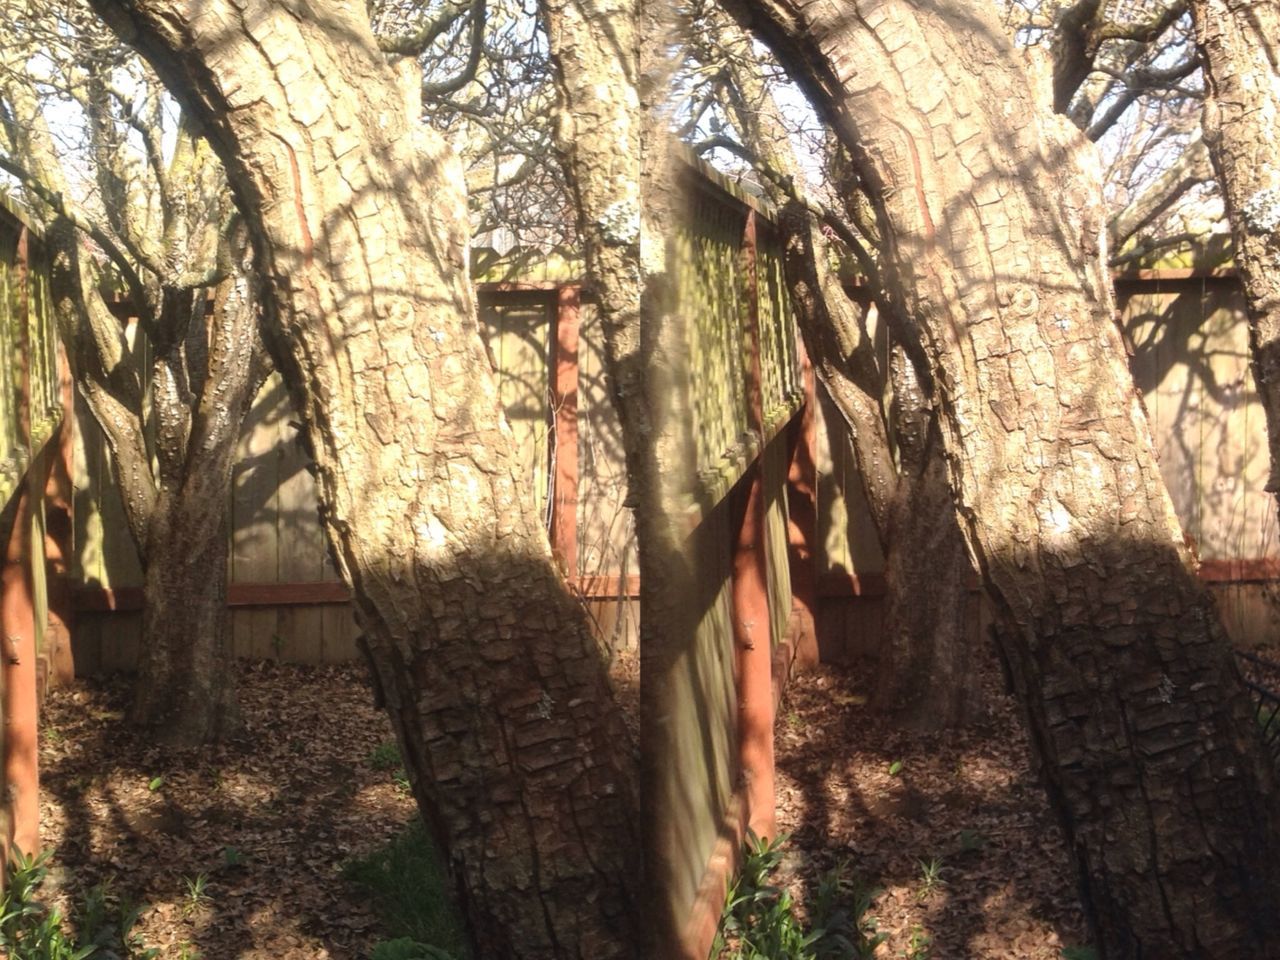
(564, 403)
(255, 505)
(299, 544)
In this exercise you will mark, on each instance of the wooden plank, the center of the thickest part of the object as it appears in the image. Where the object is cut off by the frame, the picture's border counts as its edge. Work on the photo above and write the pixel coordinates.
(1248, 612)
(20, 709)
(241, 632)
(121, 641)
(86, 646)
(842, 584)
(518, 337)
(1167, 274)
(564, 401)
(255, 503)
(1251, 570)
(606, 586)
(299, 544)
(340, 632)
(606, 538)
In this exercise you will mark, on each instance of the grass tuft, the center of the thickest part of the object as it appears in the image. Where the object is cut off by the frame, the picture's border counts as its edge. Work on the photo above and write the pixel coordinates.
(409, 889)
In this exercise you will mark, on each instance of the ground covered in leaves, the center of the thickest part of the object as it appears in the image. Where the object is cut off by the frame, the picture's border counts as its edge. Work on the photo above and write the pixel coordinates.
(237, 851)
(954, 833)
(244, 851)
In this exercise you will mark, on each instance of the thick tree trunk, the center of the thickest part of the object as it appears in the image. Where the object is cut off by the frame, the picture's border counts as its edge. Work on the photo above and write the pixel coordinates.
(992, 219)
(178, 515)
(1237, 41)
(497, 689)
(184, 692)
(614, 150)
(925, 674)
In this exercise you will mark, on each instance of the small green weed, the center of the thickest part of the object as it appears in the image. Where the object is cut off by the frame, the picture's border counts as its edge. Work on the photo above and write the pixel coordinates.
(155, 783)
(385, 756)
(895, 768)
(197, 893)
(1079, 953)
(31, 931)
(232, 857)
(759, 921)
(930, 878)
(406, 948)
(920, 945)
(409, 888)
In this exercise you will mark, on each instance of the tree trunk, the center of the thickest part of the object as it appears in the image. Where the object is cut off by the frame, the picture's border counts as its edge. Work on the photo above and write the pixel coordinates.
(497, 689)
(178, 516)
(613, 149)
(922, 664)
(925, 674)
(185, 688)
(1241, 123)
(992, 220)
(184, 692)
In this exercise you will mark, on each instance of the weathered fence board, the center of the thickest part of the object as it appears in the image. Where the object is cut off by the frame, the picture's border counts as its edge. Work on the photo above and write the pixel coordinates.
(31, 454)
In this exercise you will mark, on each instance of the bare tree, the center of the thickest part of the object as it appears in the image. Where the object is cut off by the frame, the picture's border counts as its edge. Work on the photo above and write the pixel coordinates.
(118, 208)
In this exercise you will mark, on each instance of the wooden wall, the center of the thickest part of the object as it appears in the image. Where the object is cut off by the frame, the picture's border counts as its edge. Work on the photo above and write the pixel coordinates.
(31, 391)
(1190, 349)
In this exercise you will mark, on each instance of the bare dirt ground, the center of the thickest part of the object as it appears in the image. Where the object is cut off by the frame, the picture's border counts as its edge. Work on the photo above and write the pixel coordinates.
(269, 821)
(969, 804)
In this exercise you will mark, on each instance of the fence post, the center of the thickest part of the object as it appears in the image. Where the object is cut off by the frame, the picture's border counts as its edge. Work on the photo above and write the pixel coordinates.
(564, 399)
(751, 620)
(17, 605)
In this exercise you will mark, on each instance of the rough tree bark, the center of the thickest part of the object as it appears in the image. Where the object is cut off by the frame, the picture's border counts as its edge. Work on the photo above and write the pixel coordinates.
(185, 687)
(498, 691)
(178, 514)
(1241, 123)
(992, 221)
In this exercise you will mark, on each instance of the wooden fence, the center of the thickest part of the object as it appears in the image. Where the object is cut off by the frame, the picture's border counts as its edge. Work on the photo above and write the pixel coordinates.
(286, 599)
(737, 403)
(33, 527)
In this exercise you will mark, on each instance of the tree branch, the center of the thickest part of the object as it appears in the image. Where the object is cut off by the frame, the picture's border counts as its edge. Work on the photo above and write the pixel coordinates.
(479, 15)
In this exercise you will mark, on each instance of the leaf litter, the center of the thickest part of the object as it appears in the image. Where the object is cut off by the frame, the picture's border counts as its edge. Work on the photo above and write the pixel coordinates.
(954, 831)
(268, 821)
